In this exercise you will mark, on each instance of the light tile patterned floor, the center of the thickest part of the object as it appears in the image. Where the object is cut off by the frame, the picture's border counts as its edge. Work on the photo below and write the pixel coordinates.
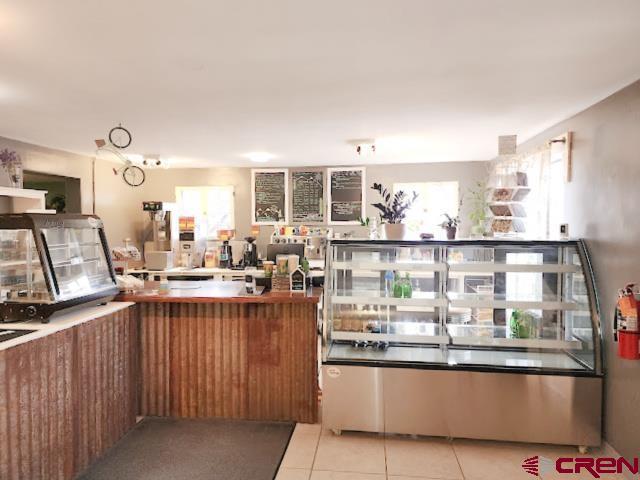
(317, 454)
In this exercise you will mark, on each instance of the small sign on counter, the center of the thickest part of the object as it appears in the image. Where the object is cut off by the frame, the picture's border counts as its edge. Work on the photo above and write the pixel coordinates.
(298, 281)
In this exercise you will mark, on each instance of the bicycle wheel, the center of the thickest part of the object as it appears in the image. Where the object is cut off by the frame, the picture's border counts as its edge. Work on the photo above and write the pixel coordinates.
(134, 176)
(120, 137)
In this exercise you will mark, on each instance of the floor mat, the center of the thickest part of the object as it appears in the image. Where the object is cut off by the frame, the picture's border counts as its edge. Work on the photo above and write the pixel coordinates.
(176, 449)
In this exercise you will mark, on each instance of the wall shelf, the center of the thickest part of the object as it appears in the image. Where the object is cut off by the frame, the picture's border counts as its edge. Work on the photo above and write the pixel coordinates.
(22, 199)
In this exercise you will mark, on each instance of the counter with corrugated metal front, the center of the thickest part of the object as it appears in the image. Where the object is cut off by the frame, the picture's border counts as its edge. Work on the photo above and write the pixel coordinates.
(208, 350)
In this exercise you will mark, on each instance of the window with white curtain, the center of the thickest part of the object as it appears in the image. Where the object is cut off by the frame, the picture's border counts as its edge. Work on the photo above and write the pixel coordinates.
(434, 200)
(213, 205)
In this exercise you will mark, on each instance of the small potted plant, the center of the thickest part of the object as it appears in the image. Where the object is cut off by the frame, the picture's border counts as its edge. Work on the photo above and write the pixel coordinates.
(450, 225)
(393, 210)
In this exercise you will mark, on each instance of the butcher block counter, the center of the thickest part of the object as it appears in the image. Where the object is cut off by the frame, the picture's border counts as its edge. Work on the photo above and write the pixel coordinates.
(208, 350)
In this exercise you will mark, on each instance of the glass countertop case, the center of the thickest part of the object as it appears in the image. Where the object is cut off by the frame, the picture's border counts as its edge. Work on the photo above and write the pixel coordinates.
(503, 304)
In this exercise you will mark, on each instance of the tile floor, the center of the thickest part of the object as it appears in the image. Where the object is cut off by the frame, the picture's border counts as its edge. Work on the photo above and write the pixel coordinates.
(317, 454)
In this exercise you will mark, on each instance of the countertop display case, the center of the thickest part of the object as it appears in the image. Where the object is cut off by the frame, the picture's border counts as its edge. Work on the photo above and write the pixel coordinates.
(456, 338)
(52, 262)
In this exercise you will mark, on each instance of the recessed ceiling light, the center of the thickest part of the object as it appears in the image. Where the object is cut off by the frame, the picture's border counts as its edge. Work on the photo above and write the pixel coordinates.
(259, 157)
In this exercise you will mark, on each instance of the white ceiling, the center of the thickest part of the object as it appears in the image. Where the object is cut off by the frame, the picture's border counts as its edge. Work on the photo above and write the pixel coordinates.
(203, 82)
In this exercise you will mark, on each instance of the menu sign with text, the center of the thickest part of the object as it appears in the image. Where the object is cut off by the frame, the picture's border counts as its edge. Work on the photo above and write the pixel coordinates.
(308, 196)
(269, 192)
(346, 195)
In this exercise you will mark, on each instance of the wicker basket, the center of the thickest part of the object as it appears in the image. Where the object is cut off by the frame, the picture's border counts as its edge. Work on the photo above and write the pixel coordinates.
(280, 283)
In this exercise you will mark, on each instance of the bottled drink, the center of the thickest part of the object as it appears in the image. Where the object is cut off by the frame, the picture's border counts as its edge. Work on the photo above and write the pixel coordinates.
(388, 283)
(407, 289)
(397, 286)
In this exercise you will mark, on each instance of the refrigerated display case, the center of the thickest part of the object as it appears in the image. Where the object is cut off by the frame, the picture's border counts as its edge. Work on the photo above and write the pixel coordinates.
(494, 339)
(50, 263)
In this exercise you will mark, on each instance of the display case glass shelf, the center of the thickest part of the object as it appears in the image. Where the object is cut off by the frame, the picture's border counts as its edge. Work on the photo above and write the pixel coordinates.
(504, 304)
(52, 262)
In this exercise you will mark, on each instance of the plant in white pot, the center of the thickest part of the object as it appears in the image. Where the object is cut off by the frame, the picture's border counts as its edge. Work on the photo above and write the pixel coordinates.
(393, 210)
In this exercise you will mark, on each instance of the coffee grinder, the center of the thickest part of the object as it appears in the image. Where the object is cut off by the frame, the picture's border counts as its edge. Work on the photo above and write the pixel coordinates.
(250, 253)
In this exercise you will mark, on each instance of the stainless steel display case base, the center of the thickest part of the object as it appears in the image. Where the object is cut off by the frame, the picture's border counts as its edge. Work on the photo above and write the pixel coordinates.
(554, 409)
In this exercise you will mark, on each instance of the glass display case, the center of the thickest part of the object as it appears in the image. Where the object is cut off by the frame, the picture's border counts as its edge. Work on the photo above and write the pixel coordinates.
(52, 262)
(477, 306)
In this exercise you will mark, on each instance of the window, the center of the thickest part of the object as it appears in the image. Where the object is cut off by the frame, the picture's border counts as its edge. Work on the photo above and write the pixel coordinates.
(557, 172)
(546, 175)
(212, 205)
(434, 200)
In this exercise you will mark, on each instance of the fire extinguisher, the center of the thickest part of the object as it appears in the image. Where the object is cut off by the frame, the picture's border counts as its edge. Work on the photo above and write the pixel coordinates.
(626, 328)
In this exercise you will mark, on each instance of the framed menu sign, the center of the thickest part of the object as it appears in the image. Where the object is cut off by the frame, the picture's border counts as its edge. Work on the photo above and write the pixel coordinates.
(346, 195)
(308, 196)
(269, 196)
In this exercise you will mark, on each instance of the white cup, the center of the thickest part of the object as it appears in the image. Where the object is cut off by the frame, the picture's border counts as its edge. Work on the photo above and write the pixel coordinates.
(294, 260)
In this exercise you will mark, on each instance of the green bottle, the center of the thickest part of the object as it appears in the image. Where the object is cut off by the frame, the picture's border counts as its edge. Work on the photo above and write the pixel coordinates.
(397, 286)
(407, 289)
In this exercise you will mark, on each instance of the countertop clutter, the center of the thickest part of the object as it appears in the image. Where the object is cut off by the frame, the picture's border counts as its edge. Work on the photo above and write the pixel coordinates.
(211, 291)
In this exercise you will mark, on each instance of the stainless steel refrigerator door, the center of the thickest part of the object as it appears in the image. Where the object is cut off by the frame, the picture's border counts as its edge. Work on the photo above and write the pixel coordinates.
(352, 398)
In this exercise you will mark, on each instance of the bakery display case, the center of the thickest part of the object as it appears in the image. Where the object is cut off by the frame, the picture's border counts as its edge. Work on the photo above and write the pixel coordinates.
(52, 262)
(460, 336)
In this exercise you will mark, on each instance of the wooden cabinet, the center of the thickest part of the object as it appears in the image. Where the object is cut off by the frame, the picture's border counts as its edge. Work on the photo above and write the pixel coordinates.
(67, 397)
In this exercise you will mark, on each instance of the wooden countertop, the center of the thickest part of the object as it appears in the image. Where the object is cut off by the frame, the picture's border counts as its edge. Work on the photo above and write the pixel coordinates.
(211, 291)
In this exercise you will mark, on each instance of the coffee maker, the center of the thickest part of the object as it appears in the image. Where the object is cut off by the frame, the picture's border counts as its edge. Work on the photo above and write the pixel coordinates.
(160, 234)
(250, 253)
(192, 242)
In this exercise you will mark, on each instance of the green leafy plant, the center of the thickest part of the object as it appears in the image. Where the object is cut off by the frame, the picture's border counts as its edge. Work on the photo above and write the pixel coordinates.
(450, 222)
(522, 324)
(479, 204)
(364, 221)
(393, 208)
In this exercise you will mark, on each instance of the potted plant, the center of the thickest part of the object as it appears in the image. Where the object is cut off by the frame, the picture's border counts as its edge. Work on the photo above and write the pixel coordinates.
(393, 210)
(450, 225)
(479, 205)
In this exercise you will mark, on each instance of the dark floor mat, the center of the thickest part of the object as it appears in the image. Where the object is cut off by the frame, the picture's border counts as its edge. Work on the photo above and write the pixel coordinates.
(175, 449)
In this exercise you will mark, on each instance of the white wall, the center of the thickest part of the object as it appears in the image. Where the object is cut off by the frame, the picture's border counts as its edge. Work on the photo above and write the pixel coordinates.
(602, 206)
(162, 183)
(47, 160)
(116, 202)
(120, 206)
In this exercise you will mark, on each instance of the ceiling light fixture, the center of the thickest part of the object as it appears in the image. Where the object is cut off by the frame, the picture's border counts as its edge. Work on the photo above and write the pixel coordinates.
(364, 146)
(134, 157)
(259, 157)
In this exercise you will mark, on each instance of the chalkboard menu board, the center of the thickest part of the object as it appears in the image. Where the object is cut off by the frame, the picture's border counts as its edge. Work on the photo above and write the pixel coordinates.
(308, 196)
(269, 196)
(346, 195)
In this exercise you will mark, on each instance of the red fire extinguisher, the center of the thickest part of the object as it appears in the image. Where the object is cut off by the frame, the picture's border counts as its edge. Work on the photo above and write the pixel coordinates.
(626, 329)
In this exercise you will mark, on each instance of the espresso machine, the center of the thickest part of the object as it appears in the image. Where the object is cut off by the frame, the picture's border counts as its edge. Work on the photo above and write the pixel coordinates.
(250, 253)
(160, 234)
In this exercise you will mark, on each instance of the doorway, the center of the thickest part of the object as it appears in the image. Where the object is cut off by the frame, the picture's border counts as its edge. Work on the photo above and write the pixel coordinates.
(63, 193)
